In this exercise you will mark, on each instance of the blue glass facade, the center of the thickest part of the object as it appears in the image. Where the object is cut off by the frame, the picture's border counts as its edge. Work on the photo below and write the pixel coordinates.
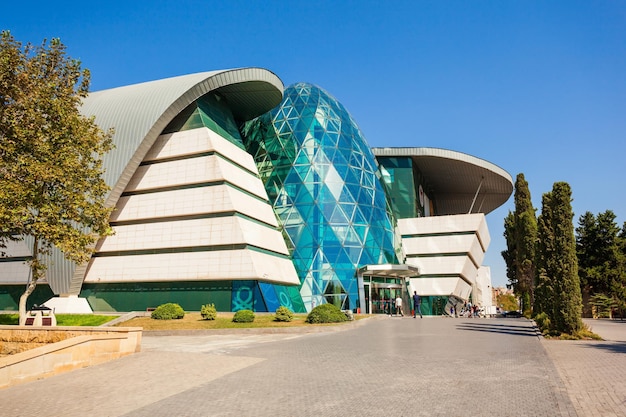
(323, 182)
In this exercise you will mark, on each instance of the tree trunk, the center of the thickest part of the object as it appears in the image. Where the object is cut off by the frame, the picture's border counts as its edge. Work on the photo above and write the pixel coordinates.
(23, 298)
(30, 286)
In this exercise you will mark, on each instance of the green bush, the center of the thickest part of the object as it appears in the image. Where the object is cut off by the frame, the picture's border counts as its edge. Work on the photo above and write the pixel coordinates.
(243, 316)
(543, 322)
(208, 312)
(283, 314)
(168, 311)
(326, 313)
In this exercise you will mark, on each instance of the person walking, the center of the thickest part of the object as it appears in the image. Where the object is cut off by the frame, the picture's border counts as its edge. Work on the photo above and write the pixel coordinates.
(399, 306)
(417, 305)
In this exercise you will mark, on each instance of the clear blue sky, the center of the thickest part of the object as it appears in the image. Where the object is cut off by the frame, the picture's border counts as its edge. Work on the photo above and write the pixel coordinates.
(537, 87)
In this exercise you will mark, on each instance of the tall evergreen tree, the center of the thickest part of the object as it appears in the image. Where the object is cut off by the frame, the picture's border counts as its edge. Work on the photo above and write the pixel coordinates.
(520, 232)
(544, 290)
(585, 248)
(510, 254)
(599, 247)
(557, 286)
(618, 286)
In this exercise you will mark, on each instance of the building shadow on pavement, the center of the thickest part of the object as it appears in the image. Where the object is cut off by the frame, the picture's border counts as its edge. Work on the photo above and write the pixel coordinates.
(498, 328)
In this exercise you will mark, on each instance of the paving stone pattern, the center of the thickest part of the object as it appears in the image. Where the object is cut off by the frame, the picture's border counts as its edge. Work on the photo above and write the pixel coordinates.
(376, 367)
(594, 372)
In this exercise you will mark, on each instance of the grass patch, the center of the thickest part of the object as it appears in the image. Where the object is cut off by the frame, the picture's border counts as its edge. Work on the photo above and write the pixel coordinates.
(194, 321)
(191, 321)
(63, 319)
(82, 319)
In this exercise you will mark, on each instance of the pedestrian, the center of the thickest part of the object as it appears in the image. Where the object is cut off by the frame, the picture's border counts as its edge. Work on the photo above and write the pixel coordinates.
(399, 305)
(417, 305)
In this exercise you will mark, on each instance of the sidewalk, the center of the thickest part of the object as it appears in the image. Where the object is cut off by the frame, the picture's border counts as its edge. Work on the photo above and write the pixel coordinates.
(611, 330)
(594, 371)
(379, 366)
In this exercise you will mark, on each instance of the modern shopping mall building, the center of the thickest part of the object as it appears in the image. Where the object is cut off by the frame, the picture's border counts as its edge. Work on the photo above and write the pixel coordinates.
(230, 189)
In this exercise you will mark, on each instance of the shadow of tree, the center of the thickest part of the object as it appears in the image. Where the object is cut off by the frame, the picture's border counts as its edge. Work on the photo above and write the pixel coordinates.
(616, 347)
(518, 330)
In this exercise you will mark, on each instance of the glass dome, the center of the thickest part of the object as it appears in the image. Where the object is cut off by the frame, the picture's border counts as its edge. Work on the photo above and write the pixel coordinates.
(324, 184)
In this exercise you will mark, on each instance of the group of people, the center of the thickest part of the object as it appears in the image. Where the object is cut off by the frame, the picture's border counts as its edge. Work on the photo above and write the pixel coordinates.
(417, 305)
(470, 310)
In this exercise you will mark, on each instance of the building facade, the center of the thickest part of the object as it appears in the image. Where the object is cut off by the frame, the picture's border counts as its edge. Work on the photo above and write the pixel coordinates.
(230, 189)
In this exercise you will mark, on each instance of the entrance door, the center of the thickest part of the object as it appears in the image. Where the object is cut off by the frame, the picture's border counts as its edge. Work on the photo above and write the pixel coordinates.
(381, 299)
(384, 296)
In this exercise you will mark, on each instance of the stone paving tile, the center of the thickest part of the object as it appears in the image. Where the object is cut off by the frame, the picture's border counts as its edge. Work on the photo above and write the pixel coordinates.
(594, 374)
(118, 387)
(380, 366)
(400, 367)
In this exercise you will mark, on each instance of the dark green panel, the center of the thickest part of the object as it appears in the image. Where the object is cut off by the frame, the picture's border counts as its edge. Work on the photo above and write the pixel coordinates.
(140, 296)
(10, 296)
(433, 305)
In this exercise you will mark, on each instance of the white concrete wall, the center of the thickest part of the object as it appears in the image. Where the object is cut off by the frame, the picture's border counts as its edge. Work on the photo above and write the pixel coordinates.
(449, 251)
(156, 221)
(483, 284)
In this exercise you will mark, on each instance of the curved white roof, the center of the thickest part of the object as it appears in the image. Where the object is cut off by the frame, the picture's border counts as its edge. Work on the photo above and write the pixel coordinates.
(453, 179)
(139, 113)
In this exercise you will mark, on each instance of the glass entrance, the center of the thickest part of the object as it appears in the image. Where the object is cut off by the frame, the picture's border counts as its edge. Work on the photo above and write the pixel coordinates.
(384, 298)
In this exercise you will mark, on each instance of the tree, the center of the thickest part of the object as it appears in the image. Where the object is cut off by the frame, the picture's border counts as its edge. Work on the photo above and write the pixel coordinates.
(507, 302)
(557, 290)
(510, 254)
(600, 255)
(51, 187)
(520, 232)
(618, 286)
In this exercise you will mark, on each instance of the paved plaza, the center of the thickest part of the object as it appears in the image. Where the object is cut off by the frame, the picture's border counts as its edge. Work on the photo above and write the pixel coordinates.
(383, 366)
(594, 372)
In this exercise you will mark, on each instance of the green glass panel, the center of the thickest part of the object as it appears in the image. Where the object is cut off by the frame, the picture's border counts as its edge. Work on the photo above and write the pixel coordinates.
(208, 111)
(402, 185)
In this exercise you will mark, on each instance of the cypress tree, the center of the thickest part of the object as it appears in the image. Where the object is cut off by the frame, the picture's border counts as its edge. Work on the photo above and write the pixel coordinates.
(544, 291)
(520, 231)
(510, 254)
(557, 286)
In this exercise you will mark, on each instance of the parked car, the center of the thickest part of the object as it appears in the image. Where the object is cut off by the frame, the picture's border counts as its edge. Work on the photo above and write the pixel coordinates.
(512, 313)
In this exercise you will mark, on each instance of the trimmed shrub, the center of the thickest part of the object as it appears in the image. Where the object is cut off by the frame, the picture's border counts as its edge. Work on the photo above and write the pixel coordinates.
(168, 311)
(283, 314)
(326, 313)
(208, 311)
(243, 316)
